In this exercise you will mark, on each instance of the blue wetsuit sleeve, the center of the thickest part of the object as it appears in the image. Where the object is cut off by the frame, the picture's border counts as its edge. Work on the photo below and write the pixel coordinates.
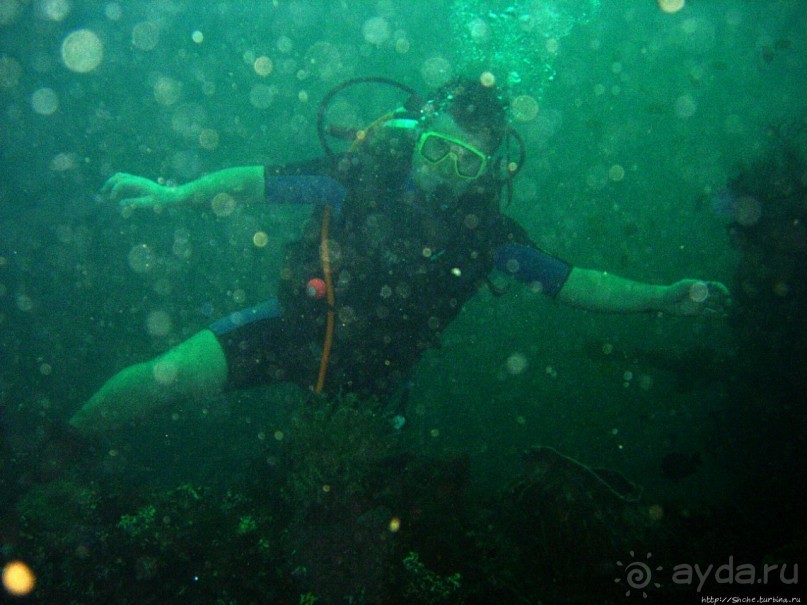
(532, 266)
(313, 182)
(265, 310)
(318, 190)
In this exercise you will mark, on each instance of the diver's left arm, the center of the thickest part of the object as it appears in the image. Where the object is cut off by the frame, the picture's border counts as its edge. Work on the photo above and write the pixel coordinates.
(601, 291)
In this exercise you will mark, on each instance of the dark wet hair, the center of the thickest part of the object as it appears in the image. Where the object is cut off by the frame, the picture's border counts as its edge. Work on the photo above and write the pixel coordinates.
(475, 107)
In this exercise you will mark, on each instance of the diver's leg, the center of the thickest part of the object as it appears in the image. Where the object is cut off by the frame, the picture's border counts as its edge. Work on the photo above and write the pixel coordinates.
(196, 367)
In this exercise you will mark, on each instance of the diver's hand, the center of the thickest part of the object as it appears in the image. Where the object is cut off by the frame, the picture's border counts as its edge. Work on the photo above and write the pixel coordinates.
(692, 297)
(137, 191)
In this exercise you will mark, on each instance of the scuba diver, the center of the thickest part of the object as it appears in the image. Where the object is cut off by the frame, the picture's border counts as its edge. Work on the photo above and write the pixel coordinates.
(406, 227)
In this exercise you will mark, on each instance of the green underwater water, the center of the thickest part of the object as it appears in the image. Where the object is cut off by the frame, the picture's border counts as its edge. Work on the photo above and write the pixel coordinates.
(644, 119)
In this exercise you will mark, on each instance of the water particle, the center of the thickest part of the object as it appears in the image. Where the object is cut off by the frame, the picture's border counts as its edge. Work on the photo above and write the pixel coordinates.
(10, 72)
(54, 10)
(747, 211)
(261, 96)
(260, 239)
(698, 292)
(223, 204)
(478, 30)
(45, 101)
(263, 66)
(63, 161)
(524, 108)
(487, 79)
(781, 289)
(82, 51)
(141, 258)
(671, 6)
(167, 90)
(209, 139)
(616, 173)
(376, 31)
(285, 45)
(145, 35)
(9, 10)
(685, 106)
(165, 372)
(436, 71)
(113, 11)
(158, 323)
(18, 578)
(655, 512)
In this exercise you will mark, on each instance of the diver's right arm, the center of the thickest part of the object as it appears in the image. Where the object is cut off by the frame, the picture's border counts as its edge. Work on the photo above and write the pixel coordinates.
(244, 184)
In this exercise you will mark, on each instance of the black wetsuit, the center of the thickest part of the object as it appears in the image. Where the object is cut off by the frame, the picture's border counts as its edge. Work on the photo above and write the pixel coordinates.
(400, 274)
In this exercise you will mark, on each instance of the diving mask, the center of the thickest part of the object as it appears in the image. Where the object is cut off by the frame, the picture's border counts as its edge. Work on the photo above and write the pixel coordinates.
(469, 162)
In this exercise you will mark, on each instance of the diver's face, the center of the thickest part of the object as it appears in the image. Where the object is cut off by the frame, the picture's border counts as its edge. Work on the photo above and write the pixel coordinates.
(446, 162)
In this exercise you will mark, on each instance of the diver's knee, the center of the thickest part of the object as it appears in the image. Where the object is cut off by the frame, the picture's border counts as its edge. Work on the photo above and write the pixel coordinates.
(198, 361)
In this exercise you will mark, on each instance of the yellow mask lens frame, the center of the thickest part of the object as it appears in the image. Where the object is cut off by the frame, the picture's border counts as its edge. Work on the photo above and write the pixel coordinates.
(469, 162)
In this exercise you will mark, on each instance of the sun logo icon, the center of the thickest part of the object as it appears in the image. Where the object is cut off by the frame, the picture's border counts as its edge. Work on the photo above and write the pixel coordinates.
(638, 575)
